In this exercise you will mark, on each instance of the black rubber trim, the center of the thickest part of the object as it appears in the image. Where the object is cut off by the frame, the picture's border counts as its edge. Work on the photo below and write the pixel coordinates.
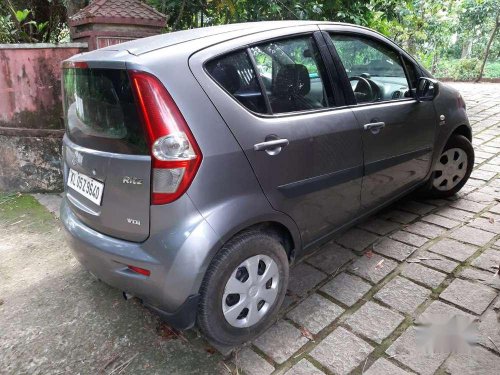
(380, 165)
(309, 185)
(184, 317)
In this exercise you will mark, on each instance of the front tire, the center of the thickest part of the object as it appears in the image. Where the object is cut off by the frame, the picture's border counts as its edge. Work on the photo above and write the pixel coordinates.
(452, 169)
(243, 288)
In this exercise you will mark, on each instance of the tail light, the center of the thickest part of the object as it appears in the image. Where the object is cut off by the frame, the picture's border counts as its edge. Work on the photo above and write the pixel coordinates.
(174, 152)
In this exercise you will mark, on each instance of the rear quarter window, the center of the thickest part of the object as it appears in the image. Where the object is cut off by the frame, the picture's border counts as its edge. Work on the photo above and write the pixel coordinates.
(235, 73)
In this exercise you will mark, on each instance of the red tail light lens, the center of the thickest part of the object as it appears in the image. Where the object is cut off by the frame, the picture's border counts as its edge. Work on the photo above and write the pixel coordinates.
(175, 154)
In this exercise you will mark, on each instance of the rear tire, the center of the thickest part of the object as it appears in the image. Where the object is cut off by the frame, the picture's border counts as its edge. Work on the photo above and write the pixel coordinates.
(452, 169)
(254, 266)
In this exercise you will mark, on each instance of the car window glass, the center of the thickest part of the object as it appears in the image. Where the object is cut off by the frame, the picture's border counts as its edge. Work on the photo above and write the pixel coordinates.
(293, 74)
(374, 70)
(412, 72)
(234, 72)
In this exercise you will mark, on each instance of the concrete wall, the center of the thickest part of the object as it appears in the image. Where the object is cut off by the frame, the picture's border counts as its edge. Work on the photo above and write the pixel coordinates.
(30, 115)
(30, 88)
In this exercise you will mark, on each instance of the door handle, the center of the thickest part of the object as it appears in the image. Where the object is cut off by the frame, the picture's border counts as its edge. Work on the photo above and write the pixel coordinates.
(271, 147)
(374, 127)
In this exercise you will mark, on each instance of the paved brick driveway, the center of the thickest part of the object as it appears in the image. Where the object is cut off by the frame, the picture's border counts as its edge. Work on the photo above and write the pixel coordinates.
(362, 303)
(358, 305)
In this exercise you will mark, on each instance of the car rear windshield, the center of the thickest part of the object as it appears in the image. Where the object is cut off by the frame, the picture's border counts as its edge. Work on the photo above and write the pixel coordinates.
(100, 111)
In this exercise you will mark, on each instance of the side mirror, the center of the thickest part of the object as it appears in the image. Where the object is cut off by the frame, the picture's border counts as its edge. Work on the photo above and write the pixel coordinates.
(427, 89)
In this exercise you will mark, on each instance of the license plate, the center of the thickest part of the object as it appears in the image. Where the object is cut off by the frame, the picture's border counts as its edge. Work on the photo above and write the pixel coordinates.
(86, 186)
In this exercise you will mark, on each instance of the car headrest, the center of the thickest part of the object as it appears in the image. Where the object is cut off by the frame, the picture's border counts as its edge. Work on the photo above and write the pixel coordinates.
(227, 76)
(292, 80)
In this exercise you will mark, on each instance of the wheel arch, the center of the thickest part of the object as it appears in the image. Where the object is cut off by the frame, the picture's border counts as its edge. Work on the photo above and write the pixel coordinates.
(462, 130)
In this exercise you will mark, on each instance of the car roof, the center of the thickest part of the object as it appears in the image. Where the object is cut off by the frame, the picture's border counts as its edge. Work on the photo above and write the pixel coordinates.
(144, 45)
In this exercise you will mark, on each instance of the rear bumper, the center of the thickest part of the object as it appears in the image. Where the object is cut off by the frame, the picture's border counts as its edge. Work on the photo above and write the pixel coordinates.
(177, 267)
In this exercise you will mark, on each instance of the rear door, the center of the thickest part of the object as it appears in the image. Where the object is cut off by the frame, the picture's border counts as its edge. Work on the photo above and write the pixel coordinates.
(107, 165)
(398, 132)
(305, 152)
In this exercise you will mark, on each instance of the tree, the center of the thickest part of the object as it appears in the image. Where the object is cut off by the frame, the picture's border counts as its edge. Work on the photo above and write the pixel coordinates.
(488, 46)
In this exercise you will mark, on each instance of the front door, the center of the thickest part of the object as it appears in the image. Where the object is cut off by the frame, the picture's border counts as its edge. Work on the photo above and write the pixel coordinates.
(398, 132)
(306, 153)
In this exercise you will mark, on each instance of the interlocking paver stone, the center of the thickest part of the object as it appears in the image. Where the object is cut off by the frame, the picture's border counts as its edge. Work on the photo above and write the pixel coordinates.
(331, 257)
(423, 275)
(315, 313)
(341, 351)
(495, 209)
(481, 196)
(304, 277)
(346, 288)
(453, 249)
(487, 260)
(425, 229)
(357, 239)
(482, 276)
(379, 226)
(471, 296)
(482, 175)
(374, 321)
(440, 313)
(441, 221)
(394, 249)
(280, 341)
(408, 351)
(453, 213)
(398, 216)
(435, 261)
(489, 330)
(252, 363)
(472, 235)
(402, 294)
(373, 268)
(478, 362)
(383, 367)
(409, 238)
(304, 367)
(490, 223)
(468, 205)
(417, 207)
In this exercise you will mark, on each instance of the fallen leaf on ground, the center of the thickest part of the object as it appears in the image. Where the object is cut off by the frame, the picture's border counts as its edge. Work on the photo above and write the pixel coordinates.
(379, 264)
(369, 253)
(491, 220)
(306, 333)
(210, 350)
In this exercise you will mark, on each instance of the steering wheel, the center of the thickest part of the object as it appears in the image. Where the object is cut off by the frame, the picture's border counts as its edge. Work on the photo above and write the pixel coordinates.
(365, 92)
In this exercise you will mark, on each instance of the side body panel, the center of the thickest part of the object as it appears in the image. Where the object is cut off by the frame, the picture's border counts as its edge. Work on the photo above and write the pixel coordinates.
(225, 189)
(316, 178)
(398, 156)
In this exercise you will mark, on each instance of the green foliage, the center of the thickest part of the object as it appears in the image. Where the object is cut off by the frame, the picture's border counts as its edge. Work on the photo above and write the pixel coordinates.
(30, 21)
(465, 69)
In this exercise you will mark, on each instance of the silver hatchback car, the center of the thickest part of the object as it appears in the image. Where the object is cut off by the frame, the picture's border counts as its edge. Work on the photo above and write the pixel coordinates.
(199, 165)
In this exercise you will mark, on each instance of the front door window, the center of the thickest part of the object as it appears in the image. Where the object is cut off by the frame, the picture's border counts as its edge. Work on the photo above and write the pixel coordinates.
(375, 72)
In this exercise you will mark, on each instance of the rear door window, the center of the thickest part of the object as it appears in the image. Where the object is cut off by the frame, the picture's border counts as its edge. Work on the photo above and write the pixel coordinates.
(100, 112)
(293, 74)
(235, 73)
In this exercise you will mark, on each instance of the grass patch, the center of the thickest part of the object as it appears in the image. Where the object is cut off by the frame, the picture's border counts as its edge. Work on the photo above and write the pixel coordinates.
(23, 211)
